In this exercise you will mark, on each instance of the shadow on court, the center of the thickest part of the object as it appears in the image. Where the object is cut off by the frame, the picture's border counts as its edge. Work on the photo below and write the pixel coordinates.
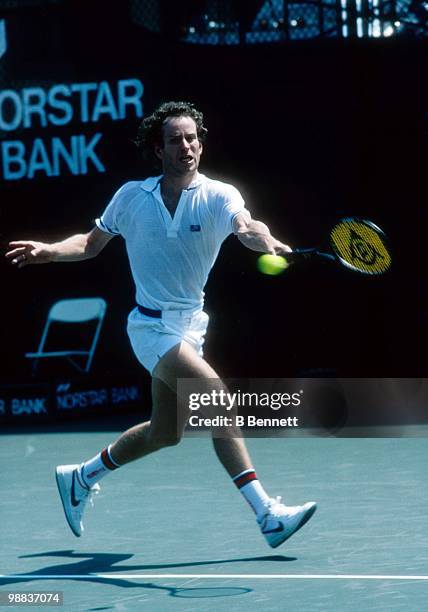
(105, 562)
(101, 563)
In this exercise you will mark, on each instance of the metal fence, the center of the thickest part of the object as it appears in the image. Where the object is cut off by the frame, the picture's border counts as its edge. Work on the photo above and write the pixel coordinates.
(232, 22)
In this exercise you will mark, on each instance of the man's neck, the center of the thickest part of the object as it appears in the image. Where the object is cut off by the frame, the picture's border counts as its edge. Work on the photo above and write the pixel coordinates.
(176, 184)
(171, 188)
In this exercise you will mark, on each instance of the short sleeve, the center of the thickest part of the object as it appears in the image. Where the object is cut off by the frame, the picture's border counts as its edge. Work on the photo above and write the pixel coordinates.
(112, 218)
(229, 203)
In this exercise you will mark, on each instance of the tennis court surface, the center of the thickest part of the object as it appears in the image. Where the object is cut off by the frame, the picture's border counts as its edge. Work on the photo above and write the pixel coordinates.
(171, 533)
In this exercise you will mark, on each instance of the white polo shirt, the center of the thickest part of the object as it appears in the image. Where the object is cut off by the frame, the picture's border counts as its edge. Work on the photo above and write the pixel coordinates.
(171, 257)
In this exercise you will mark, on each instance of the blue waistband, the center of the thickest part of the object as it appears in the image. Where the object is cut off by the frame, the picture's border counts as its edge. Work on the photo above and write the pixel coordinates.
(149, 312)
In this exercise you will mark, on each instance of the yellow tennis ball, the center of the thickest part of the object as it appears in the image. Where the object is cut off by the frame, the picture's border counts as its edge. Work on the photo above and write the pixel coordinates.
(272, 264)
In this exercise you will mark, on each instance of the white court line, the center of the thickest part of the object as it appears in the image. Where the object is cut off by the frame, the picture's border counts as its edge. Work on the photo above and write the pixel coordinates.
(212, 576)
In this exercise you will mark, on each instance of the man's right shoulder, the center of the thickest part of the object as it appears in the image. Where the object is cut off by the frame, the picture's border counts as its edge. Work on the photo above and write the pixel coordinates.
(130, 186)
(128, 192)
(143, 186)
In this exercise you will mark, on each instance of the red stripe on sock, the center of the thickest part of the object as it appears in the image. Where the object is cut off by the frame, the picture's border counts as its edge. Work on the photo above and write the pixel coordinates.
(245, 479)
(107, 461)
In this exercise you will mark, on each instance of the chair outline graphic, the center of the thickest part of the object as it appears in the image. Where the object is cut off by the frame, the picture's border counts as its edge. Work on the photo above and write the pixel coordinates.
(72, 311)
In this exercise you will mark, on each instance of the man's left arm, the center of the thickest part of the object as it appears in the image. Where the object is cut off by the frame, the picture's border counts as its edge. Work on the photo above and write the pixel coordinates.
(256, 236)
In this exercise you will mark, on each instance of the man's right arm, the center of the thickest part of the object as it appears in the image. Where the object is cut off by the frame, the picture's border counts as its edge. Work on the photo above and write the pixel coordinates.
(75, 248)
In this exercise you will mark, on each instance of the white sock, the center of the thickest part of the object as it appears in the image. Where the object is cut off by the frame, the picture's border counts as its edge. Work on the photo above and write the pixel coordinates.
(94, 469)
(252, 490)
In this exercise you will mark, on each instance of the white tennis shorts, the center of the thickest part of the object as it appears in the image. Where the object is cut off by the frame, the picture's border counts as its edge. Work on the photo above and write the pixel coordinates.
(151, 338)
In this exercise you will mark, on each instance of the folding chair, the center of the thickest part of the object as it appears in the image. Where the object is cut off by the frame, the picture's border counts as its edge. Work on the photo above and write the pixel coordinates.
(73, 311)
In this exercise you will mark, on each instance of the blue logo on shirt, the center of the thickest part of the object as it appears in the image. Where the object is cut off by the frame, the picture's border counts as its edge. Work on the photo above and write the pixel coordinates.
(195, 228)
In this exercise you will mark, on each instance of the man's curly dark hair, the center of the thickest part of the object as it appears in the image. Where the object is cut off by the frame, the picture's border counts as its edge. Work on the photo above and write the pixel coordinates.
(150, 130)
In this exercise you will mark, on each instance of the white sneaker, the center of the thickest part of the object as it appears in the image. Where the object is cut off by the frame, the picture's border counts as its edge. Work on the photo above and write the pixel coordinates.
(73, 496)
(279, 522)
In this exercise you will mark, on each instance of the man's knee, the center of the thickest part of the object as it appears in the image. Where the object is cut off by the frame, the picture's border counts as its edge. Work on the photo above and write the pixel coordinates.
(163, 440)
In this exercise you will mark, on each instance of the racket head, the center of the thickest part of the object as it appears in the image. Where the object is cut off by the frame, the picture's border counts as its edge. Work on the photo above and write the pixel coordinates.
(361, 245)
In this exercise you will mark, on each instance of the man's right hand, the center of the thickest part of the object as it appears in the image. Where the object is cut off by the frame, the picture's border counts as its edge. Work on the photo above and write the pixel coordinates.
(25, 252)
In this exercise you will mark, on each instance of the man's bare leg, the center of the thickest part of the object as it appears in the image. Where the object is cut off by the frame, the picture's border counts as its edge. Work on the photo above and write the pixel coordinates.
(163, 429)
(182, 361)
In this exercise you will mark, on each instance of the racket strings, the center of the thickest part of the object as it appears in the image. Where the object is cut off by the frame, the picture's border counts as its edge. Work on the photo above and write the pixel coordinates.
(361, 245)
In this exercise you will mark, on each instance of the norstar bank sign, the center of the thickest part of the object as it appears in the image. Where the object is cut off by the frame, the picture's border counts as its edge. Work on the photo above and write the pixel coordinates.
(80, 104)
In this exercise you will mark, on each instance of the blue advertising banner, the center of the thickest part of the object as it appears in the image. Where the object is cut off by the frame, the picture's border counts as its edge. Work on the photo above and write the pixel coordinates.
(54, 401)
(81, 105)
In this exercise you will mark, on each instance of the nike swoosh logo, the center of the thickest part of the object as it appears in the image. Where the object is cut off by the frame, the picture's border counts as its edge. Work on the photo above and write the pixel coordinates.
(276, 530)
(74, 501)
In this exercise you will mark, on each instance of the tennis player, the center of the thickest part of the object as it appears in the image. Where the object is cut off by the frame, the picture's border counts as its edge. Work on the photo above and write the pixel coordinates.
(173, 226)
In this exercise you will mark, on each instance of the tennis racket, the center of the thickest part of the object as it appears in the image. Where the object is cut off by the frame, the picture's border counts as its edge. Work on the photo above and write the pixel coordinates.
(355, 243)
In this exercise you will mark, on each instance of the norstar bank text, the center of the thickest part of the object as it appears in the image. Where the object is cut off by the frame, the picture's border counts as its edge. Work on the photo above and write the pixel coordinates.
(61, 104)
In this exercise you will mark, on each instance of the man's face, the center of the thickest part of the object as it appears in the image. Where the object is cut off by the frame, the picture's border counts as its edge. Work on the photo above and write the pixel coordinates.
(181, 150)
